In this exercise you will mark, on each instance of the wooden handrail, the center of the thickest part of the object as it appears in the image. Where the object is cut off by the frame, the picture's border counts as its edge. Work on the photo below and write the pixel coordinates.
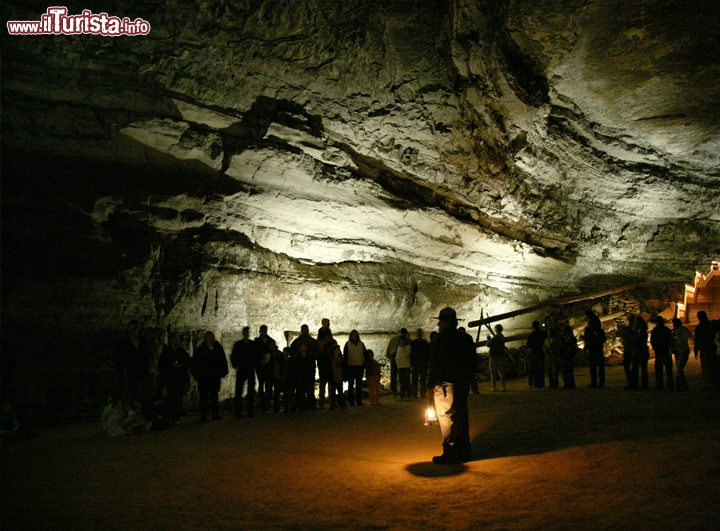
(556, 302)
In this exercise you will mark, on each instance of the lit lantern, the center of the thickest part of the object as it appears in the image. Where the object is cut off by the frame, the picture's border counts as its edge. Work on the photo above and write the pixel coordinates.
(430, 417)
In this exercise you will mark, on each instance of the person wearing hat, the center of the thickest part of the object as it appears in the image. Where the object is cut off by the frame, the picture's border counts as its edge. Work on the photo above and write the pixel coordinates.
(452, 363)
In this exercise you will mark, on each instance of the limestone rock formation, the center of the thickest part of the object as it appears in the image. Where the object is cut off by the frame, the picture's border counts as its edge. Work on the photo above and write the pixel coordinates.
(280, 161)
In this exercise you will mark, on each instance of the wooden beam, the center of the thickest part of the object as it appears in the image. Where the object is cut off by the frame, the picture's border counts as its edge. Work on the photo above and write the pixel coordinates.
(509, 339)
(556, 302)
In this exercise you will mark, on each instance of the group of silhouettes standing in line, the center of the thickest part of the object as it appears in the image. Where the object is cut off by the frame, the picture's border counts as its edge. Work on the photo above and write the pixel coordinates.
(286, 378)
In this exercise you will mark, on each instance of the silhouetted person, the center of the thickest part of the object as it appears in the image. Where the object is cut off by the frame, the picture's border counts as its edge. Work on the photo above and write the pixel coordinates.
(706, 349)
(276, 375)
(681, 349)
(132, 363)
(324, 330)
(304, 370)
(661, 342)
(404, 365)
(337, 397)
(173, 366)
(473, 380)
(640, 354)
(567, 357)
(390, 353)
(594, 337)
(354, 367)
(372, 373)
(452, 362)
(263, 369)
(327, 343)
(307, 339)
(553, 350)
(496, 358)
(535, 358)
(419, 359)
(245, 358)
(625, 334)
(209, 365)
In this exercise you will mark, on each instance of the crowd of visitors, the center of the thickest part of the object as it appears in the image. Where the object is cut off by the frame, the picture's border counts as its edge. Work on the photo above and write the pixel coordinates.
(284, 380)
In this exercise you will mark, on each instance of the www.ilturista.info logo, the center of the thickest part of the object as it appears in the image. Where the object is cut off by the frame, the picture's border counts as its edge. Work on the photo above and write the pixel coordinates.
(56, 21)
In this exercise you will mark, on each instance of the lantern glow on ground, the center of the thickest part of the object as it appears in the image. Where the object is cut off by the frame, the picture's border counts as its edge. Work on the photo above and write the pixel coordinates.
(584, 459)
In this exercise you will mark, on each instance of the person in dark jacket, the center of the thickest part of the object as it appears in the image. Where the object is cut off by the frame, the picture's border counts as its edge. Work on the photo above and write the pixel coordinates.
(208, 366)
(681, 349)
(452, 362)
(173, 365)
(640, 354)
(324, 330)
(594, 337)
(307, 339)
(263, 369)
(496, 358)
(303, 369)
(277, 372)
(661, 341)
(535, 358)
(706, 349)
(419, 359)
(390, 353)
(567, 356)
(625, 334)
(245, 359)
(132, 363)
(326, 343)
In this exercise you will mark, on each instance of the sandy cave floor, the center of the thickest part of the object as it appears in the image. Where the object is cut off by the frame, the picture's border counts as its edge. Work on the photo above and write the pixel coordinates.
(544, 459)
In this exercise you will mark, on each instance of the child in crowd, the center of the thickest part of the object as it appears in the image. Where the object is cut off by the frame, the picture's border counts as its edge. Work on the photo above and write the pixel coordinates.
(372, 372)
(337, 397)
(112, 416)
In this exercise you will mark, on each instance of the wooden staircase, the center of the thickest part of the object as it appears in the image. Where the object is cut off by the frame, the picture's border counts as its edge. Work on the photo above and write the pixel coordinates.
(703, 295)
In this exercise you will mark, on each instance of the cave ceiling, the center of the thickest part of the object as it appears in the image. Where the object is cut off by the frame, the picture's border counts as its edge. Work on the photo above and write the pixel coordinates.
(483, 142)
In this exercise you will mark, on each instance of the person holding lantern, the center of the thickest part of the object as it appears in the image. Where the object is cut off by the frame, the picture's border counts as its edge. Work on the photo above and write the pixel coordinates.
(452, 363)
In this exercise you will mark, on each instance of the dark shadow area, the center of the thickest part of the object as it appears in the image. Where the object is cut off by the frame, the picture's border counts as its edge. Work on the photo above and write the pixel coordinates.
(431, 470)
(557, 419)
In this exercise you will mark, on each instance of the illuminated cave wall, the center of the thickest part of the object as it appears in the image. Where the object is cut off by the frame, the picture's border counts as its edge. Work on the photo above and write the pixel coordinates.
(276, 162)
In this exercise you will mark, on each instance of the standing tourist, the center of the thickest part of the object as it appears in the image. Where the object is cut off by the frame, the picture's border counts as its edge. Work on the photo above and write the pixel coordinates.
(640, 353)
(706, 349)
(209, 365)
(354, 365)
(496, 358)
(625, 334)
(553, 349)
(535, 358)
(681, 349)
(372, 372)
(567, 356)
(337, 397)
(173, 365)
(244, 359)
(661, 342)
(419, 359)
(402, 359)
(594, 337)
(452, 363)
(132, 363)
(390, 353)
